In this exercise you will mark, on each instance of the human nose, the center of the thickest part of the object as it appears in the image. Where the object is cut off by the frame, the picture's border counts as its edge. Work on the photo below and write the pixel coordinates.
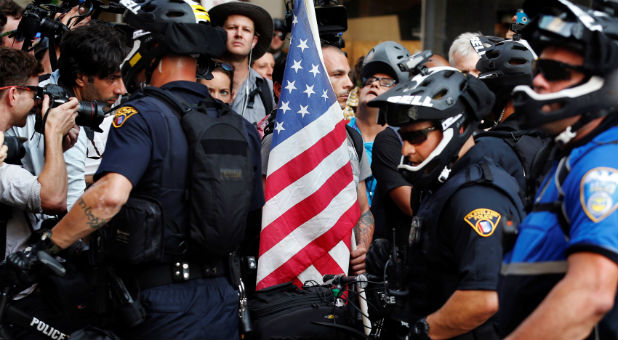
(119, 87)
(408, 149)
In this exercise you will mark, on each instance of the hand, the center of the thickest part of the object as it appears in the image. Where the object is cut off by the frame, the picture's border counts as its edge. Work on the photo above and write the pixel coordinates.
(70, 139)
(3, 149)
(377, 256)
(20, 265)
(61, 119)
(357, 260)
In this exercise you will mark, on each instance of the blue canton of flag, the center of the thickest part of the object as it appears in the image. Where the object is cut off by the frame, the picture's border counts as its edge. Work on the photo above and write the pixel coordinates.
(311, 205)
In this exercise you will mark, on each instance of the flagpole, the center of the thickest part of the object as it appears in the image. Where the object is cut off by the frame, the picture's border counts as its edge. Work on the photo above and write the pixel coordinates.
(362, 297)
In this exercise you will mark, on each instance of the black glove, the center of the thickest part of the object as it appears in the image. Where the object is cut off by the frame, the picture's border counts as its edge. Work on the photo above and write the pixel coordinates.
(419, 330)
(23, 264)
(377, 255)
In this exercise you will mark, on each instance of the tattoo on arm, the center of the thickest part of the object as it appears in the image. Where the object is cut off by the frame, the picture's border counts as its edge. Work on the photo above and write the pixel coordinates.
(363, 230)
(93, 221)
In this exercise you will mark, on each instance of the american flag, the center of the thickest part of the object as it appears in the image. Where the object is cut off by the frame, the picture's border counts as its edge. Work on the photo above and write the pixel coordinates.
(311, 203)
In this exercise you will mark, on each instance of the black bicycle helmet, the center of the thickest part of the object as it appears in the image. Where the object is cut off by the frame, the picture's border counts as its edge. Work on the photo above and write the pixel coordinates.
(384, 58)
(503, 66)
(178, 27)
(449, 98)
(583, 30)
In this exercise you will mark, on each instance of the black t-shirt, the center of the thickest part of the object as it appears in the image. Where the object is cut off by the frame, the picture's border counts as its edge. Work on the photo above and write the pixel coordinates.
(386, 157)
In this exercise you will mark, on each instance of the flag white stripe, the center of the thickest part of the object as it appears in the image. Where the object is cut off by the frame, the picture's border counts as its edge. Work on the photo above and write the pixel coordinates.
(304, 234)
(310, 274)
(304, 186)
(341, 254)
(303, 139)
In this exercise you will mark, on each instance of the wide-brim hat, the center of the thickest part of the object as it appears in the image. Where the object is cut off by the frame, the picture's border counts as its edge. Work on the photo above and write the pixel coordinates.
(262, 21)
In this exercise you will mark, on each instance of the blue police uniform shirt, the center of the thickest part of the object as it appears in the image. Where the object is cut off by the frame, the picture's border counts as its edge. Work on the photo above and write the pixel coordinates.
(370, 182)
(539, 258)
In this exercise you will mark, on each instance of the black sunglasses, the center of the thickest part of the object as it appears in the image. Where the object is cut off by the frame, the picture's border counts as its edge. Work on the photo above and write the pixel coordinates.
(554, 70)
(416, 137)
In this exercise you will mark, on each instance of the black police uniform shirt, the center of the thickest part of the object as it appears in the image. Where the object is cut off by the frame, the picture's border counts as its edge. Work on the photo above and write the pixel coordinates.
(465, 252)
(386, 158)
(136, 148)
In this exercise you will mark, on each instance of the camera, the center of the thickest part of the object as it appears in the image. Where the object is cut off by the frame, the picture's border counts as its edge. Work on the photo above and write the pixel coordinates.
(16, 150)
(332, 19)
(89, 113)
(415, 64)
(38, 17)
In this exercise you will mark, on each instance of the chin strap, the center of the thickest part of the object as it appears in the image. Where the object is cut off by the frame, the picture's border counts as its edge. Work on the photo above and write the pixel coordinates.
(570, 132)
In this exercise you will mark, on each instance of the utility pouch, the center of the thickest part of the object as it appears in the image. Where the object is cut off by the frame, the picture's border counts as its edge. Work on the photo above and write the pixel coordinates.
(135, 235)
(129, 311)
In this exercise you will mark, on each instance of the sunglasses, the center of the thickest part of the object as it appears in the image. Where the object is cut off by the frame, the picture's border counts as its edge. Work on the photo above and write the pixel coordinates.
(416, 137)
(224, 66)
(384, 82)
(554, 70)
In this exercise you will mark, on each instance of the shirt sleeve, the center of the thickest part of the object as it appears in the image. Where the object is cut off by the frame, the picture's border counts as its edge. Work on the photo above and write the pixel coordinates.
(472, 227)
(386, 158)
(19, 188)
(129, 147)
(591, 202)
(75, 159)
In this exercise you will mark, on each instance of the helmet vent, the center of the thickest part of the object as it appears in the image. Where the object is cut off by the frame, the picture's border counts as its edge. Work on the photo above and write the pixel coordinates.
(440, 94)
(175, 14)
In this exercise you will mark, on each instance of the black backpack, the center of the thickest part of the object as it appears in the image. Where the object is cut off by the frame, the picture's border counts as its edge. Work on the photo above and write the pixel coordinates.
(220, 172)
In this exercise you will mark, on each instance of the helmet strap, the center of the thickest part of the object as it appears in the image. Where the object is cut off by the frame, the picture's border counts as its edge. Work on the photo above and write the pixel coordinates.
(571, 131)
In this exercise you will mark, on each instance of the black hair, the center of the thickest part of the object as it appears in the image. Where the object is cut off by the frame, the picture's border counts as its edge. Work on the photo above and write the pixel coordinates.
(11, 9)
(95, 49)
(16, 66)
(229, 73)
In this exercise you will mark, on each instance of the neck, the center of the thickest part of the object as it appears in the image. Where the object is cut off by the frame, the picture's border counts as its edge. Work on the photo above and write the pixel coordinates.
(367, 121)
(241, 71)
(509, 109)
(77, 93)
(586, 129)
(466, 147)
(174, 68)
(4, 118)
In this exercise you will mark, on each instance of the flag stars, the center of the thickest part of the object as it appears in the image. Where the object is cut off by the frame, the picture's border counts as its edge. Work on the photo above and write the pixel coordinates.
(314, 70)
(303, 110)
(290, 86)
(295, 21)
(324, 95)
(279, 127)
(296, 66)
(303, 45)
(309, 91)
(285, 106)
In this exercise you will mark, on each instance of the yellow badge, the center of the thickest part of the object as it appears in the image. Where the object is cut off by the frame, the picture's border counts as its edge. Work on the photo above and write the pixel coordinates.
(122, 114)
(483, 221)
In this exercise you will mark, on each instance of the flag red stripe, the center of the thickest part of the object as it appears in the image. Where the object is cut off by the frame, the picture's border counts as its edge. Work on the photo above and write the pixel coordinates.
(327, 265)
(305, 209)
(317, 248)
(304, 162)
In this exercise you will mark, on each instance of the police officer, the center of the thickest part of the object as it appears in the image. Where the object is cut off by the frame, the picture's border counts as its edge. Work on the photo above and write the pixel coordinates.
(519, 152)
(460, 199)
(560, 279)
(147, 156)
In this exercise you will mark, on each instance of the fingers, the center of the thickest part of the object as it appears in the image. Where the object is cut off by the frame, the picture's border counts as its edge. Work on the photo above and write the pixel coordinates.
(3, 152)
(71, 138)
(61, 119)
(357, 261)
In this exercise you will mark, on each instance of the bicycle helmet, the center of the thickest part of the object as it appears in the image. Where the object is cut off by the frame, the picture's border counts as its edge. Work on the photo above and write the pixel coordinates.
(503, 66)
(455, 102)
(384, 58)
(582, 30)
(163, 27)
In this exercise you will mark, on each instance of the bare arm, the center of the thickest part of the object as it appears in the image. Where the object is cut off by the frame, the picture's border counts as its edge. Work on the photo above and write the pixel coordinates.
(464, 311)
(53, 177)
(99, 204)
(401, 197)
(363, 232)
(576, 303)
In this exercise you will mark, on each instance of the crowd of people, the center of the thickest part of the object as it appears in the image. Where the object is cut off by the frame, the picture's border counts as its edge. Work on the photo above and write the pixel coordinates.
(487, 181)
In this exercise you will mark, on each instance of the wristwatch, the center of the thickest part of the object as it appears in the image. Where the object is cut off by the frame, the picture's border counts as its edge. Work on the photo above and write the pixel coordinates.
(420, 330)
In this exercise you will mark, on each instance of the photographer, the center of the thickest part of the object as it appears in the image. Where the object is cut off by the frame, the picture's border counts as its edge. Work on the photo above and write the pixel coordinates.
(19, 189)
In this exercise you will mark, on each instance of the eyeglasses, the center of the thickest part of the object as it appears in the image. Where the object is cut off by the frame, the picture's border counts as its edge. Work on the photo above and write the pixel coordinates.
(554, 70)
(385, 82)
(36, 89)
(416, 137)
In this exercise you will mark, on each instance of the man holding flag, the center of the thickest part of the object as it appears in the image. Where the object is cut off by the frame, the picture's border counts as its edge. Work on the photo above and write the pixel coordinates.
(311, 204)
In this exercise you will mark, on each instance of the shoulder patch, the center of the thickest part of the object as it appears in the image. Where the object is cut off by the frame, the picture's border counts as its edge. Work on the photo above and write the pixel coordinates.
(483, 221)
(598, 193)
(122, 114)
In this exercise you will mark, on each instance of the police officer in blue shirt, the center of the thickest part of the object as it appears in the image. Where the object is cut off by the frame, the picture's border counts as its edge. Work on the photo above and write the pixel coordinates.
(560, 279)
(146, 159)
(461, 202)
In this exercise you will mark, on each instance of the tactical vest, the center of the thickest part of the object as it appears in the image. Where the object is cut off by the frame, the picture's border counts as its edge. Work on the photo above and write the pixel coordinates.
(427, 254)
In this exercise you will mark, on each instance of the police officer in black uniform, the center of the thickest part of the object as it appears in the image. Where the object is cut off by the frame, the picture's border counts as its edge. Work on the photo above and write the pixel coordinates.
(146, 161)
(461, 202)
